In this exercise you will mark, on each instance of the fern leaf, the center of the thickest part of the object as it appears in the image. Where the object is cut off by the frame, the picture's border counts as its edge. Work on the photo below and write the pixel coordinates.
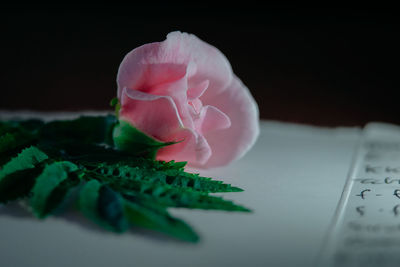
(18, 175)
(181, 178)
(167, 195)
(27, 159)
(16, 135)
(85, 129)
(30, 125)
(174, 197)
(51, 187)
(174, 177)
(7, 142)
(108, 209)
(111, 209)
(151, 218)
(114, 189)
(18, 184)
(103, 206)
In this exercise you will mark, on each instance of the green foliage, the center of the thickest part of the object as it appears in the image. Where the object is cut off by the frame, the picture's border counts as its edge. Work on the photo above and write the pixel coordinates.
(27, 159)
(7, 142)
(14, 126)
(17, 176)
(103, 206)
(127, 138)
(18, 184)
(165, 194)
(16, 135)
(155, 217)
(85, 129)
(116, 105)
(74, 164)
(51, 187)
(168, 175)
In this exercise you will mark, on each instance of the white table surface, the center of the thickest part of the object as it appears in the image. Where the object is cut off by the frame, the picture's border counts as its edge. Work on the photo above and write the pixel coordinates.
(293, 179)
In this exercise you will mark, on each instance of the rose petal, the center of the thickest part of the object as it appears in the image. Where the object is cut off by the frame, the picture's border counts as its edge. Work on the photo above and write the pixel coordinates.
(212, 119)
(197, 90)
(154, 115)
(138, 69)
(211, 64)
(203, 150)
(177, 91)
(144, 76)
(232, 143)
(159, 79)
(193, 148)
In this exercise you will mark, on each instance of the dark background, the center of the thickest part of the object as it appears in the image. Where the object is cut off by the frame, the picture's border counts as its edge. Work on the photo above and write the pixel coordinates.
(330, 67)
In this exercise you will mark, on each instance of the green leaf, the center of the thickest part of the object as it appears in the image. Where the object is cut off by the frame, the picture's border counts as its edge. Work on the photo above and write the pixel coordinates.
(16, 136)
(180, 178)
(18, 175)
(4, 127)
(88, 202)
(127, 138)
(18, 184)
(103, 206)
(10, 142)
(170, 175)
(162, 165)
(7, 142)
(52, 186)
(110, 209)
(85, 129)
(165, 194)
(31, 125)
(94, 154)
(153, 184)
(176, 197)
(115, 103)
(153, 219)
(116, 187)
(27, 159)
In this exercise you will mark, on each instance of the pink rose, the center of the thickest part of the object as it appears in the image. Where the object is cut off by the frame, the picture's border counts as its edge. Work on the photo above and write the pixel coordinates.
(184, 89)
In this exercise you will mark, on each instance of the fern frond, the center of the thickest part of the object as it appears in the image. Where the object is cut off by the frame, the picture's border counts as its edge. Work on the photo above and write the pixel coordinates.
(51, 187)
(165, 194)
(172, 176)
(27, 159)
(18, 175)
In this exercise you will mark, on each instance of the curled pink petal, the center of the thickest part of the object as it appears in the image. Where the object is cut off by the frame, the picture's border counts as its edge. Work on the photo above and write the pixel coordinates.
(198, 90)
(206, 63)
(177, 91)
(212, 119)
(232, 143)
(197, 106)
(194, 148)
(144, 76)
(155, 115)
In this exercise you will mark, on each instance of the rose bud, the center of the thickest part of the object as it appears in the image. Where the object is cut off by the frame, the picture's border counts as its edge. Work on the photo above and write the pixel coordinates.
(183, 90)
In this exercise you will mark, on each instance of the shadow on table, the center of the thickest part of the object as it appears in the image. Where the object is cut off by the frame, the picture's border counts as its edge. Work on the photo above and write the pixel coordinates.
(19, 210)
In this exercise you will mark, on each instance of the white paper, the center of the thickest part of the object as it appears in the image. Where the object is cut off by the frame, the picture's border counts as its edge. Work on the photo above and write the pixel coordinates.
(366, 231)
